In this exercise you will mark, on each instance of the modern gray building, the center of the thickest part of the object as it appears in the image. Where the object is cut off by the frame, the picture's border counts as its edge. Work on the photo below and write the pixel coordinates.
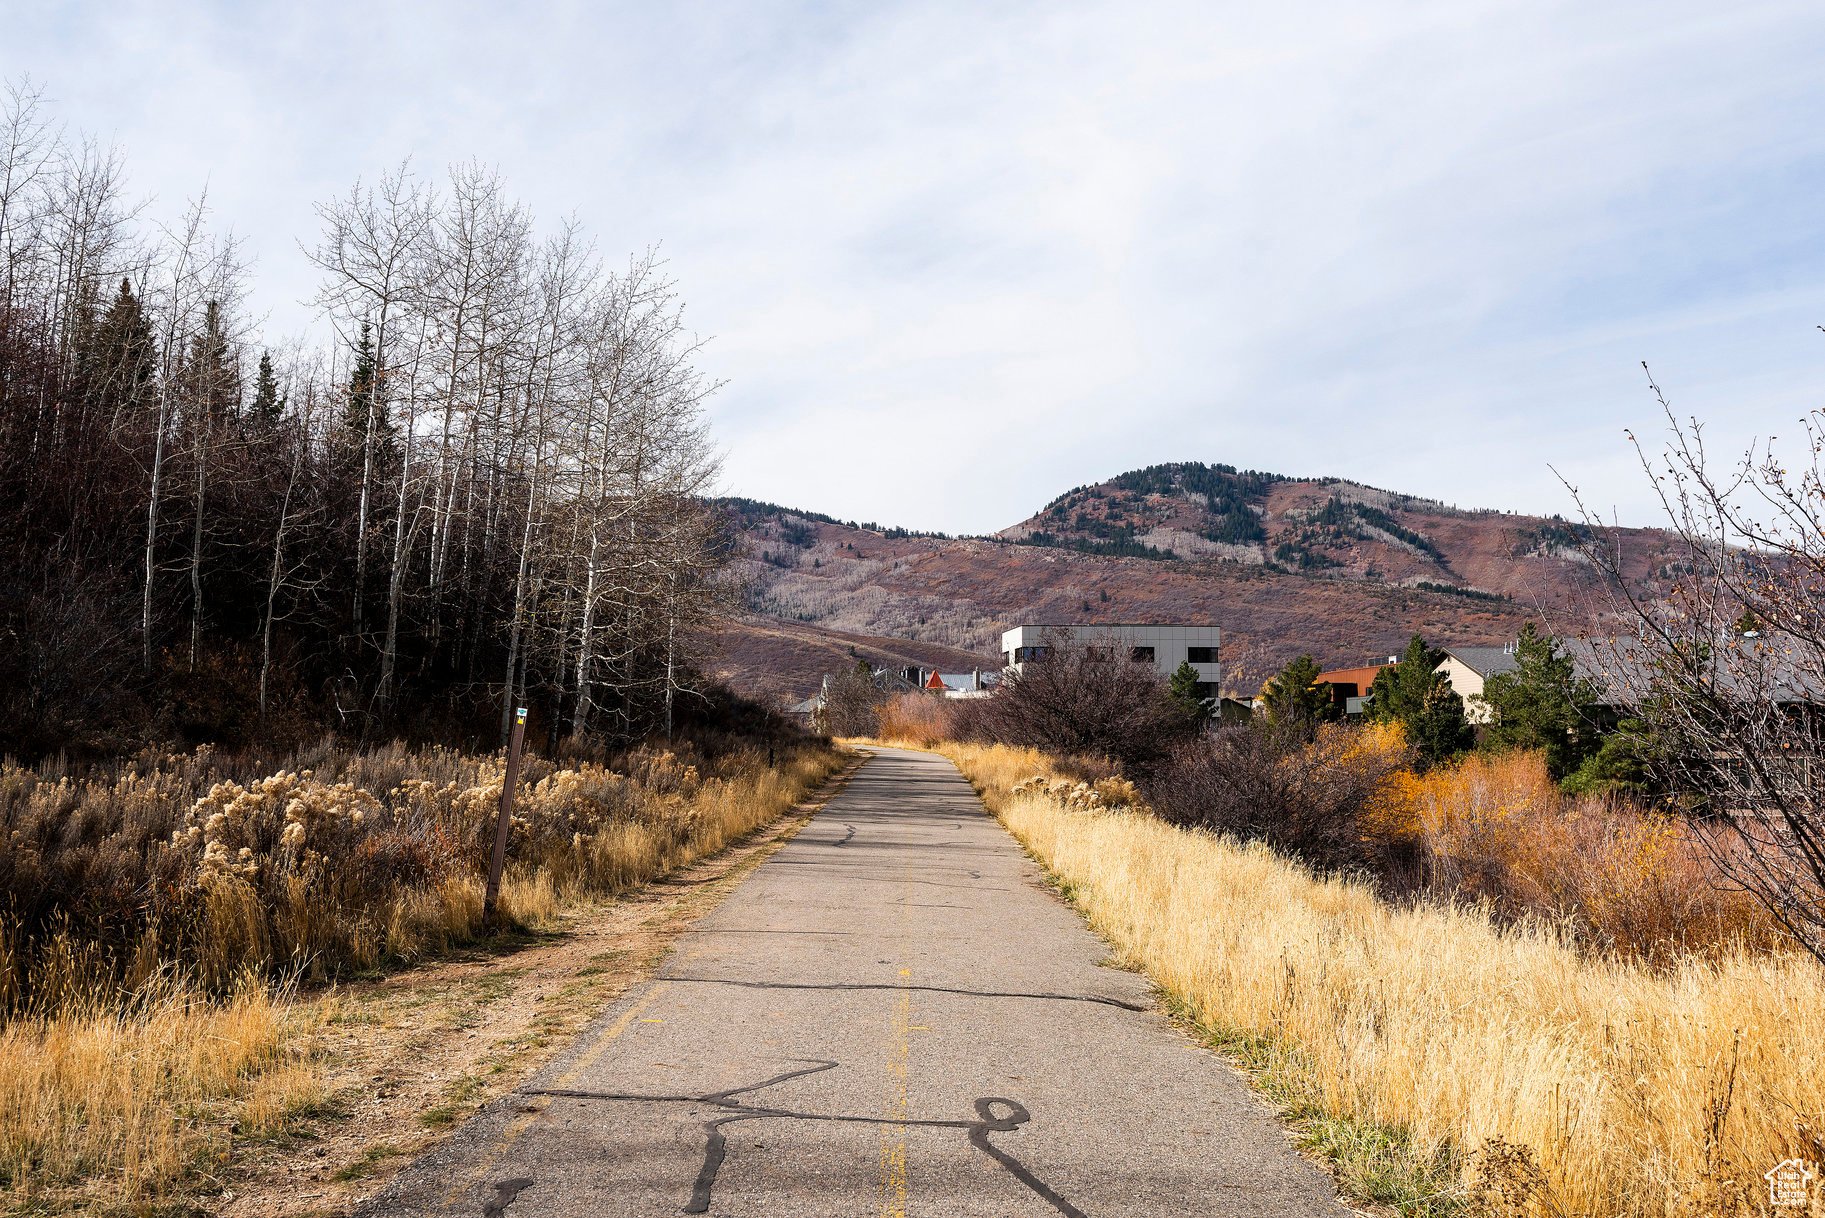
(1163, 646)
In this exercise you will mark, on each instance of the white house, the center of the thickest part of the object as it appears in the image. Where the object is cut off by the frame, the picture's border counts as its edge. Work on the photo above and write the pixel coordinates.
(1163, 646)
(1469, 669)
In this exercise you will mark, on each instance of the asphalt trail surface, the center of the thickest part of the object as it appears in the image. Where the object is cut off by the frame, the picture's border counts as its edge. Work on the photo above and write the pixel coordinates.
(892, 1016)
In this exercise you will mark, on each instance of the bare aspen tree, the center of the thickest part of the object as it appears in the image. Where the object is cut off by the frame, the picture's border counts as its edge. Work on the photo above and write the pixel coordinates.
(1722, 659)
(29, 151)
(275, 578)
(372, 254)
(181, 287)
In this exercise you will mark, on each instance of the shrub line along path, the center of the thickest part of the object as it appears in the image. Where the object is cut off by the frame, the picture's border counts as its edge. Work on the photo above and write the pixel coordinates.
(892, 1015)
(415, 1048)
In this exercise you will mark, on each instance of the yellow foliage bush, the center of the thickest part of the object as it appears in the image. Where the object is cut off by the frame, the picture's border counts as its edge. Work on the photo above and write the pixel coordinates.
(1497, 829)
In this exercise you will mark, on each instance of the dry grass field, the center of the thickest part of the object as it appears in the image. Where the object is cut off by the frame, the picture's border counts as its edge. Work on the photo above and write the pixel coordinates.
(1505, 1063)
(130, 1063)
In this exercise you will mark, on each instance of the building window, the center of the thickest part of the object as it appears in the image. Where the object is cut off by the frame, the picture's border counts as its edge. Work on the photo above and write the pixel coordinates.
(1205, 689)
(1023, 654)
(1201, 655)
(1141, 654)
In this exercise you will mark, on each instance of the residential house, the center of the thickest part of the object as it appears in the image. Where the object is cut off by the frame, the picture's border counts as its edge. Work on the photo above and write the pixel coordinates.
(1350, 686)
(1469, 669)
(973, 684)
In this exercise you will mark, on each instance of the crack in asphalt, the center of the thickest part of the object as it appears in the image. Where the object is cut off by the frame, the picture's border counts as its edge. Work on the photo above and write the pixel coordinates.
(716, 1145)
(504, 1193)
(930, 989)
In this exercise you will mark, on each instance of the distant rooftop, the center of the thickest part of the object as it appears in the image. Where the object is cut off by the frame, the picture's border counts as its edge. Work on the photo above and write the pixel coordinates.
(1485, 662)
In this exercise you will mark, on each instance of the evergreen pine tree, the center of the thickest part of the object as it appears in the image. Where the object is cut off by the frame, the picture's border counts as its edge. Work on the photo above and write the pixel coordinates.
(267, 404)
(1440, 730)
(1398, 694)
(1414, 694)
(364, 402)
(1294, 696)
(214, 386)
(1183, 686)
(121, 358)
(1542, 704)
(361, 385)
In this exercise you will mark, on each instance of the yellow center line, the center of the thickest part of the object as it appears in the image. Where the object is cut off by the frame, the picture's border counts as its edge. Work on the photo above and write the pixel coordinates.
(537, 1107)
(893, 1137)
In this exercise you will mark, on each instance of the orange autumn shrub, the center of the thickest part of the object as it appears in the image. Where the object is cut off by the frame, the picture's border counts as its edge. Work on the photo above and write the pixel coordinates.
(1625, 880)
(1391, 814)
(920, 719)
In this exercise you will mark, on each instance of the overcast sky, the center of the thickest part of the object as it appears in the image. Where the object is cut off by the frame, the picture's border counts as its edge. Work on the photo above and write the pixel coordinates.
(956, 259)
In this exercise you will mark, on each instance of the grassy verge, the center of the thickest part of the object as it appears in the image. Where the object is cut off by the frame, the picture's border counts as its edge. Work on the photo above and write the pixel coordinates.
(138, 1100)
(1438, 1060)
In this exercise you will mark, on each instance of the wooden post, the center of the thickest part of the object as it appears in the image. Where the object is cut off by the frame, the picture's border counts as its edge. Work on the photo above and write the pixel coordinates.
(504, 824)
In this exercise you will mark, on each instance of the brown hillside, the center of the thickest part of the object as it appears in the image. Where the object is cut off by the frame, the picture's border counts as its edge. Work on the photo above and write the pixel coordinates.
(775, 660)
(1283, 565)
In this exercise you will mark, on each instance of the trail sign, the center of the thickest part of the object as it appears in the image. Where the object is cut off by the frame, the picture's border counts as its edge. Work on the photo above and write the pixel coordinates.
(503, 825)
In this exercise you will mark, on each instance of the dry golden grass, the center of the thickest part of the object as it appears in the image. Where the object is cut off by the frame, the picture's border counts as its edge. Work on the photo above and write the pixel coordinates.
(1573, 1083)
(132, 1099)
(118, 1083)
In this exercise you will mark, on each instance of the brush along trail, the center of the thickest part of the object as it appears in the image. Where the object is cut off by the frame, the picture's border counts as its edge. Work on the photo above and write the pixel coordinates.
(892, 1015)
(410, 1055)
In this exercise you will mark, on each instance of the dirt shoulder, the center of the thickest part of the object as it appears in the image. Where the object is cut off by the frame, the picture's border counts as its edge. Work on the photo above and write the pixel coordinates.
(408, 1056)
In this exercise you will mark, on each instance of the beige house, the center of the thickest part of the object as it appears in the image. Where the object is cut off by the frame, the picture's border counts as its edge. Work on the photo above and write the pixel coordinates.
(1469, 669)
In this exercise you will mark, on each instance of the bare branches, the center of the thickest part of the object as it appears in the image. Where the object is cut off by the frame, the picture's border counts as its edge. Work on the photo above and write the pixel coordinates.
(1727, 671)
(506, 446)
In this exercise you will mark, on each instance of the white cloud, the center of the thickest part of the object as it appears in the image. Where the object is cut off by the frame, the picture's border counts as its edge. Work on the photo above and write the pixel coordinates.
(959, 258)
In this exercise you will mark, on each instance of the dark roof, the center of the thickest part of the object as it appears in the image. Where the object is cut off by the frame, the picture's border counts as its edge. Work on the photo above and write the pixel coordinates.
(1485, 662)
(1619, 668)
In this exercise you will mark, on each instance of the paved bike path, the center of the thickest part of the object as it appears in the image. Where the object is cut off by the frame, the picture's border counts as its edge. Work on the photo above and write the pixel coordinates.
(892, 1016)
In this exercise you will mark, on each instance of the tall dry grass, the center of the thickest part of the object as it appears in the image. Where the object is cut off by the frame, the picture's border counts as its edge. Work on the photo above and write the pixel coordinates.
(1555, 1081)
(129, 1045)
(132, 1098)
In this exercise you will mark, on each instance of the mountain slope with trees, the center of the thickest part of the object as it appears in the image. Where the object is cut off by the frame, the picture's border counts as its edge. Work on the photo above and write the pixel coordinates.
(1286, 566)
(487, 490)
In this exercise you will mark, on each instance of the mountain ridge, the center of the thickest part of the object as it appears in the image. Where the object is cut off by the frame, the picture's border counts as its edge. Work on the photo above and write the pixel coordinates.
(1285, 565)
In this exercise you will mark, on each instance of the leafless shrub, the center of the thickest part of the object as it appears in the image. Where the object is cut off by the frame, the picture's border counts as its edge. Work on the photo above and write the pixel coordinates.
(1084, 699)
(852, 704)
(1306, 799)
(1727, 670)
(919, 718)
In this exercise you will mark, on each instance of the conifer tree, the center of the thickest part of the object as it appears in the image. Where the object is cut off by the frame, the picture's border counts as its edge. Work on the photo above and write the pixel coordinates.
(361, 385)
(1542, 704)
(267, 404)
(1398, 693)
(214, 387)
(1414, 694)
(122, 358)
(1440, 731)
(1183, 686)
(1295, 696)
